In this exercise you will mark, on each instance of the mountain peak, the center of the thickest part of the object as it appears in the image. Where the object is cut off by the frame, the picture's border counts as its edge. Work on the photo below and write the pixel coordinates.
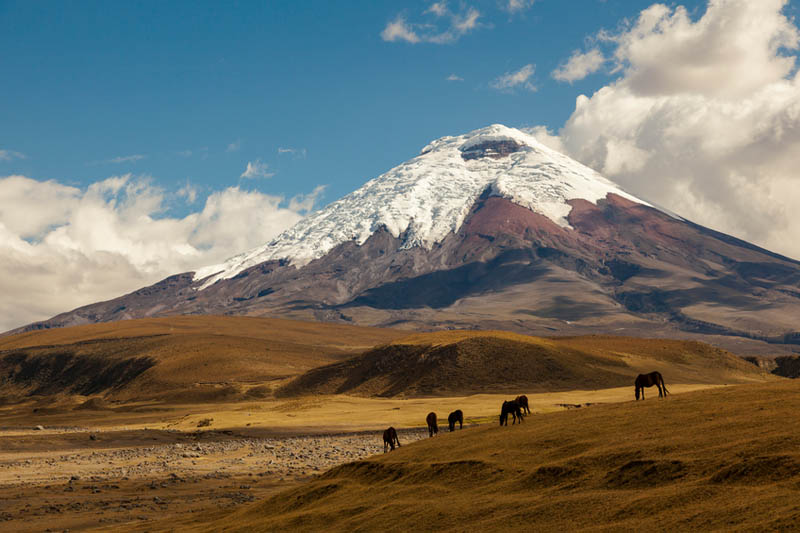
(429, 196)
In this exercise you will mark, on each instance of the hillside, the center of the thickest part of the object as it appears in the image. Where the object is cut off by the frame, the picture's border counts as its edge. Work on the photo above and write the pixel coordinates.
(197, 358)
(724, 459)
(469, 362)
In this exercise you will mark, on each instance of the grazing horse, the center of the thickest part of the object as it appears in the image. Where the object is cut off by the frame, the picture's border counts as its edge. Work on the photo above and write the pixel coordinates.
(523, 403)
(648, 380)
(390, 439)
(513, 408)
(433, 425)
(455, 416)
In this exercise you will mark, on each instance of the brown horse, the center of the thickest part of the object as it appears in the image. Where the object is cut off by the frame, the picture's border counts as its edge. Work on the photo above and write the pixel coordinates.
(390, 438)
(455, 416)
(433, 425)
(522, 400)
(648, 380)
(510, 408)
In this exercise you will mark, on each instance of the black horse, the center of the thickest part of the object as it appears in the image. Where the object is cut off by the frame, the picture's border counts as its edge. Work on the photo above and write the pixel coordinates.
(390, 439)
(510, 408)
(648, 380)
(455, 416)
(522, 400)
(433, 425)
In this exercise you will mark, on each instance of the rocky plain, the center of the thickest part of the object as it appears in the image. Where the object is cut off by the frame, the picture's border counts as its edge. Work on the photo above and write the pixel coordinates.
(93, 478)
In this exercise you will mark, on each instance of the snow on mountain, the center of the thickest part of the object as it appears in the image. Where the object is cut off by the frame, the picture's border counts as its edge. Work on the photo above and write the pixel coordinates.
(429, 196)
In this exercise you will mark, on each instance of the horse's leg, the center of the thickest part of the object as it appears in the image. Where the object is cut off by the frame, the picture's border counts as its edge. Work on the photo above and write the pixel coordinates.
(660, 392)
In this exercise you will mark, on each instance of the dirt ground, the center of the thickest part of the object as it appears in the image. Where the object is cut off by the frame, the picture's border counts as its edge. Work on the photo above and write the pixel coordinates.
(138, 476)
(126, 467)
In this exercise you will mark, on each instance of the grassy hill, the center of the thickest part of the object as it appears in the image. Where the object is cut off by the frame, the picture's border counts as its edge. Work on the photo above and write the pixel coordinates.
(468, 362)
(722, 459)
(193, 358)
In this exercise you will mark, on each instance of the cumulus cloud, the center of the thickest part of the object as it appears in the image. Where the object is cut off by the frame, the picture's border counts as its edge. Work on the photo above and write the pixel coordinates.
(579, 65)
(703, 117)
(512, 80)
(443, 26)
(8, 155)
(256, 169)
(62, 247)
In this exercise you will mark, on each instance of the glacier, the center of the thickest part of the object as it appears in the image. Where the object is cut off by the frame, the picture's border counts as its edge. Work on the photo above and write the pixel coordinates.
(429, 196)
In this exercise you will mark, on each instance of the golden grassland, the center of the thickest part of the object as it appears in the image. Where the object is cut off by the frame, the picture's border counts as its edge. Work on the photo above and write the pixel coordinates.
(190, 358)
(720, 459)
(722, 453)
(468, 362)
(214, 359)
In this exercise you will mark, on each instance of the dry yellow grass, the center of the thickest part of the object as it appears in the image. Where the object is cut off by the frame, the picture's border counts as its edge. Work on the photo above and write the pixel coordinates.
(469, 362)
(722, 459)
(213, 359)
(191, 358)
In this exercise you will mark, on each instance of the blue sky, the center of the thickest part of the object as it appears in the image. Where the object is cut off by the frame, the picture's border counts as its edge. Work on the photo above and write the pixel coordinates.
(143, 139)
(89, 83)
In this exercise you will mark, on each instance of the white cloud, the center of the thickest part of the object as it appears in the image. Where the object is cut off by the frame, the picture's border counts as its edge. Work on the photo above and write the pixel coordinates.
(120, 159)
(127, 158)
(516, 6)
(8, 155)
(235, 146)
(453, 77)
(306, 202)
(704, 117)
(62, 247)
(438, 8)
(512, 80)
(257, 169)
(189, 192)
(580, 65)
(444, 26)
(547, 138)
(297, 153)
(185, 153)
(399, 30)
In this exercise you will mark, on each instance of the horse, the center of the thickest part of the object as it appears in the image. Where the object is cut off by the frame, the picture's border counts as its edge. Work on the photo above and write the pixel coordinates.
(513, 408)
(522, 400)
(433, 425)
(455, 416)
(390, 438)
(648, 380)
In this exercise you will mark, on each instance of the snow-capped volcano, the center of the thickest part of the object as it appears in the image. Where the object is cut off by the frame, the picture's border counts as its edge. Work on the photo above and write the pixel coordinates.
(492, 229)
(429, 197)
